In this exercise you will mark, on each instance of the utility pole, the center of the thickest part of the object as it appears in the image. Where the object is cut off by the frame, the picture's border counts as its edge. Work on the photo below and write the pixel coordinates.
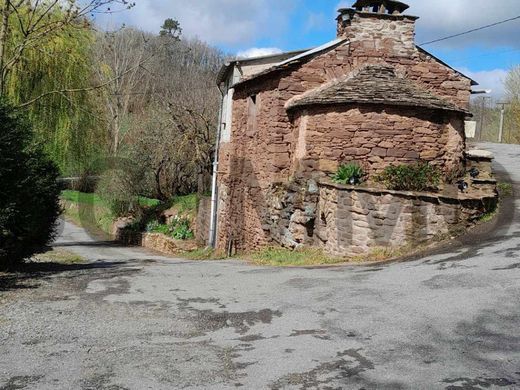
(482, 114)
(502, 112)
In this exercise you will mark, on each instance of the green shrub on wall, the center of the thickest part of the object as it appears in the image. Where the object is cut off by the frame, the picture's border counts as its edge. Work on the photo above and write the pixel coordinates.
(420, 176)
(29, 191)
(350, 173)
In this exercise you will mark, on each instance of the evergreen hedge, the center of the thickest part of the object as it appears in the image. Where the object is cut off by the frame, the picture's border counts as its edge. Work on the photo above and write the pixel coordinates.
(29, 191)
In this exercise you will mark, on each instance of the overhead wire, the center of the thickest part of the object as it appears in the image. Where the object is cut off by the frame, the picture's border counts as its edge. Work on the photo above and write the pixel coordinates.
(470, 31)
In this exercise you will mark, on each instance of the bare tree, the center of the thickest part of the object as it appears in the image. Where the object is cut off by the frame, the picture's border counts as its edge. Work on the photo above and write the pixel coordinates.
(512, 87)
(121, 57)
(179, 136)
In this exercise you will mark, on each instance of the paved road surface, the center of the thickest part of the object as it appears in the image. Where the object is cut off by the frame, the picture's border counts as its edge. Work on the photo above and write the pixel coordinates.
(134, 320)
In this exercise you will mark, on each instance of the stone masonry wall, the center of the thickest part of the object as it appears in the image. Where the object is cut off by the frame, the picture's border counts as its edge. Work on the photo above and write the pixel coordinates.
(376, 137)
(353, 221)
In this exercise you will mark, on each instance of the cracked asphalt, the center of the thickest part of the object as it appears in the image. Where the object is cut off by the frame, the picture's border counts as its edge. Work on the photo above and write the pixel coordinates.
(130, 319)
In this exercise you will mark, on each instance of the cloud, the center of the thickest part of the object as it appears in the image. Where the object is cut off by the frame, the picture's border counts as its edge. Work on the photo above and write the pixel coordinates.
(316, 21)
(442, 18)
(447, 17)
(223, 22)
(258, 52)
(489, 79)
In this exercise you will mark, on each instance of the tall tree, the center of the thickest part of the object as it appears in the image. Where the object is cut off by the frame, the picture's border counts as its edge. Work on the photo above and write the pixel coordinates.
(39, 21)
(171, 28)
(121, 58)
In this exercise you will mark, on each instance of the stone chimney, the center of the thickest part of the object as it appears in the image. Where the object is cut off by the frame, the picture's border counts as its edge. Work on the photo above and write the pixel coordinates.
(378, 25)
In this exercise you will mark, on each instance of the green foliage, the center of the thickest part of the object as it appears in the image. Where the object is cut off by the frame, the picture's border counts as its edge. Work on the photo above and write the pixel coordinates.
(29, 192)
(67, 124)
(347, 172)
(179, 228)
(419, 176)
(171, 28)
(186, 203)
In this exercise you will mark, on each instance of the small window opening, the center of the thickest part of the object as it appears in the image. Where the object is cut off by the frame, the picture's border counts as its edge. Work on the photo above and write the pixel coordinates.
(251, 114)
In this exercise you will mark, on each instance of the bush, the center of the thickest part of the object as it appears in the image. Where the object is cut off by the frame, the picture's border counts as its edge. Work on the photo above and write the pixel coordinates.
(179, 228)
(29, 191)
(350, 173)
(420, 176)
(116, 188)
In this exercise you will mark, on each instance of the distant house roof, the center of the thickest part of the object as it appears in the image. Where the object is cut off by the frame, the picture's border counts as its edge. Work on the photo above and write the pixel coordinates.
(373, 84)
(224, 70)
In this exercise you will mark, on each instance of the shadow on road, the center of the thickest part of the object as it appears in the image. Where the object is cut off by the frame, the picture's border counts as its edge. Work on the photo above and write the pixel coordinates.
(107, 244)
(28, 274)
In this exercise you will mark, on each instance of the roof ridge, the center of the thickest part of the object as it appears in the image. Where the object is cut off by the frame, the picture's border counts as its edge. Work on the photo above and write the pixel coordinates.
(373, 84)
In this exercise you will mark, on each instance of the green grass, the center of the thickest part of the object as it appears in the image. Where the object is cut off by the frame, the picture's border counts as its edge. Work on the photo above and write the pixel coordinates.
(505, 189)
(60, 256)
(487, 217)
(96, 219)
(288, 257)
(96, 200)
(186, 203)
(204, 254)
(92, 212)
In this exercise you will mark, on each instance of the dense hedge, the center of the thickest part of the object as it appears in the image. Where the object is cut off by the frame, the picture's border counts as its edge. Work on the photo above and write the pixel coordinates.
(29, 191)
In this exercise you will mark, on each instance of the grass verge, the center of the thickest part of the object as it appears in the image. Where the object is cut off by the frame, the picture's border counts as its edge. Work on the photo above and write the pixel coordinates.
(287, 257)
(505, 189)
(204, 254)
(59, 256)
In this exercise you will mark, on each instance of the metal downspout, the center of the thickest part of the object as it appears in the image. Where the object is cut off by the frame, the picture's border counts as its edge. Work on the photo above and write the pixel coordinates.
(214, 195)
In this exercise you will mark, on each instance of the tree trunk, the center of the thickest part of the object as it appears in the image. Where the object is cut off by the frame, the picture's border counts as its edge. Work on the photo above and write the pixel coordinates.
(4, 36)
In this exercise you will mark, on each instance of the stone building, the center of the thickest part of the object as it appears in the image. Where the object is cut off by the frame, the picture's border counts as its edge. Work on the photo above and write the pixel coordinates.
(370, 95)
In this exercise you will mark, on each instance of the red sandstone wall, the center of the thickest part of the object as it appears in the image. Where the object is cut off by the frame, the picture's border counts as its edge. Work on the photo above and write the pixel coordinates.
(376, 137)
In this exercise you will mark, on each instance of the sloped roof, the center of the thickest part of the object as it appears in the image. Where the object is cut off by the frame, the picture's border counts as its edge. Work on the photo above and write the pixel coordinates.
(277, 57)
(373, 84)
(301, 57)
(304, 55)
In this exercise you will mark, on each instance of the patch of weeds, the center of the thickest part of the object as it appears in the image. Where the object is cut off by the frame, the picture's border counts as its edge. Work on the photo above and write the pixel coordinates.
(179, 228)
(60, 256)
(420, 176)
(287, 257)
(186, 203)
(505, 189)
(487, 217)
(204, 254)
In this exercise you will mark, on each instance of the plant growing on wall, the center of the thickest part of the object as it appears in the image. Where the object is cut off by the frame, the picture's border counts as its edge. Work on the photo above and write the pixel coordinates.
(179, 228)
(350, 173)
(420, 176)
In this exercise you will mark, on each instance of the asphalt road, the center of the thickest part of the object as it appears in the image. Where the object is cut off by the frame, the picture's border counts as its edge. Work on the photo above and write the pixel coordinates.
(135, 320)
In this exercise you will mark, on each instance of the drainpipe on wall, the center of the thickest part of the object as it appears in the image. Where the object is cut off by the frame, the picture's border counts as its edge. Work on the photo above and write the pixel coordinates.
(214, 196)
